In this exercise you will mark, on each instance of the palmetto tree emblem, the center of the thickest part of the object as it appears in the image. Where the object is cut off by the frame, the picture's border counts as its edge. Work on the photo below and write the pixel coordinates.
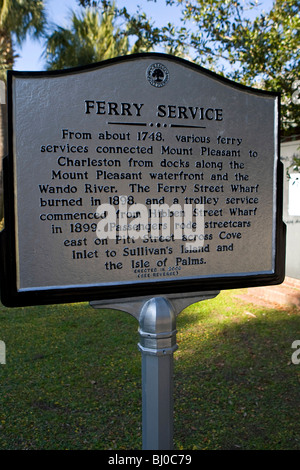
(158, 75)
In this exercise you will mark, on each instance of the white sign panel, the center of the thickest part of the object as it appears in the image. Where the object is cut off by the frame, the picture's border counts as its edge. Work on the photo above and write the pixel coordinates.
(145, 172)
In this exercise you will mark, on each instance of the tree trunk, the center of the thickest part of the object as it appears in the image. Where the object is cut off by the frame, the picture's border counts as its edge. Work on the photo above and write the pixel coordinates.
(6, 63)
(3, 138)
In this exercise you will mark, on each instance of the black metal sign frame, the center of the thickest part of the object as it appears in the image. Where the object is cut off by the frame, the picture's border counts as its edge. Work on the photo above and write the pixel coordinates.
(11, 296)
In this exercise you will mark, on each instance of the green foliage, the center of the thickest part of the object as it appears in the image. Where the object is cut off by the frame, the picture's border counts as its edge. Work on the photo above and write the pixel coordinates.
(294, 167)
(23, 16)
(141, 29)
(17, 19)
(262, 52)
(240, 41)
(92, 37)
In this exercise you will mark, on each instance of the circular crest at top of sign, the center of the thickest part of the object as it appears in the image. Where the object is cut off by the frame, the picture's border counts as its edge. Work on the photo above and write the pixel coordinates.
(157, 75)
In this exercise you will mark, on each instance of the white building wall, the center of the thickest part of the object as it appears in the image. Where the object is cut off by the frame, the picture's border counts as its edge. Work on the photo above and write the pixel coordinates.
(291, 207)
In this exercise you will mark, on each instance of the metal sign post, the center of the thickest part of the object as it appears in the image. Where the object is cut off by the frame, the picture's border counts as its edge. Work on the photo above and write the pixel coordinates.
(157, 344)
(157, 320)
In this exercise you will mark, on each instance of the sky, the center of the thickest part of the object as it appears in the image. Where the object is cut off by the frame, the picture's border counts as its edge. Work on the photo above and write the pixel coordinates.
(59, 13)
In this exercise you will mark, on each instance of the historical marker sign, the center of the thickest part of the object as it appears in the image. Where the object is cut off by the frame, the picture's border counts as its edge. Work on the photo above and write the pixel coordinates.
(140, 175)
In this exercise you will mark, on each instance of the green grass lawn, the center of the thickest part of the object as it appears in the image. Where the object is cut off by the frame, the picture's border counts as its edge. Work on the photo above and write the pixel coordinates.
(72, 378)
